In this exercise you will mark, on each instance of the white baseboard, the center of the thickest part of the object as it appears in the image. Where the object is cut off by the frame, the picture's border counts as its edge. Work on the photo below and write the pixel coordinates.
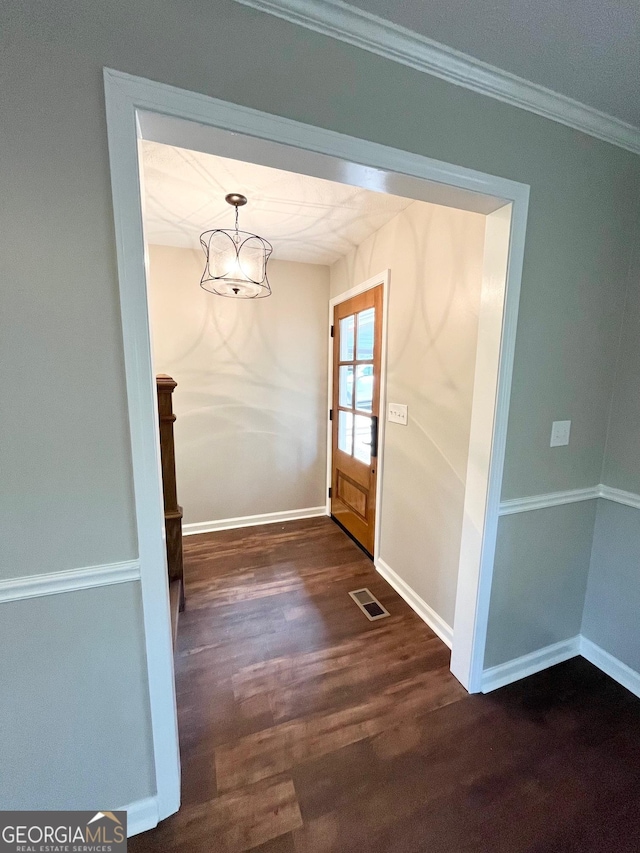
(252, 520)
(613, 667)
(426, 613)
(514, 670)
(141, 815)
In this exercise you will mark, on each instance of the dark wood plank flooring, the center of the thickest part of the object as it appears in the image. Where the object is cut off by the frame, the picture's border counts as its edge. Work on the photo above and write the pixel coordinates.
(304, 727)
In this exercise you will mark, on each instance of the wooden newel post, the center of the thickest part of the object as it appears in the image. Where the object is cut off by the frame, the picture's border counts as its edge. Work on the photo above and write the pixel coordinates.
(172, 510)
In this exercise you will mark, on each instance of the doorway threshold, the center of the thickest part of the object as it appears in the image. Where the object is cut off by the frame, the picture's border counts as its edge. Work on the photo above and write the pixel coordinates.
(352, 537)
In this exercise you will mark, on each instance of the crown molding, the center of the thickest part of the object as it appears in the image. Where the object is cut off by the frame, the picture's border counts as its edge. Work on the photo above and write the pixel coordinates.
(369, 32)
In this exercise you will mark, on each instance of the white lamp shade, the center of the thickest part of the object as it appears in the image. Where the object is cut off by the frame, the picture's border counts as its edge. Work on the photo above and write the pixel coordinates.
(236, 264)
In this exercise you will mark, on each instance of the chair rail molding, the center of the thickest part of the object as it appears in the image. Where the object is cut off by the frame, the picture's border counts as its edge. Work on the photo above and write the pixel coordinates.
(619, 496)
(532, 502)
(71, 580)
(369, 32)
(571, 496)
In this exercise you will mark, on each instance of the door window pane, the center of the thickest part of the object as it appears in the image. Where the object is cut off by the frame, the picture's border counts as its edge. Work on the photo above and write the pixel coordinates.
(364, 387)
(345, 432)
(366, 325)
(346, 338)
(345, 388)
(362, 438)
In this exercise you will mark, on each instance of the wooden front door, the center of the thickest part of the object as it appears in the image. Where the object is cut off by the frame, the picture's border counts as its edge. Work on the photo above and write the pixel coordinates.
(357, 345)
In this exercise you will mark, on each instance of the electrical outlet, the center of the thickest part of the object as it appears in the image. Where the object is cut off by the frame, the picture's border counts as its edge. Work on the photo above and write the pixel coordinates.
(398, 413)
(560, 433)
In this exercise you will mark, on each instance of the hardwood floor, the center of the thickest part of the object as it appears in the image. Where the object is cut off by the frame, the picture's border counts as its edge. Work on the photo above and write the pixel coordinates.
(305, 728)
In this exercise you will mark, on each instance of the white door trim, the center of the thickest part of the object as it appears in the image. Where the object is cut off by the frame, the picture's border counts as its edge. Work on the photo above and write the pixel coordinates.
(127, 99)
(503, 250)
(383, 278)
(122, 130)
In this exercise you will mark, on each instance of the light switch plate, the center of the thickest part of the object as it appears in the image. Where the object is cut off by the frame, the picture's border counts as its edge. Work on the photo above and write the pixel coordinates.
(560, 433)
(398, 413)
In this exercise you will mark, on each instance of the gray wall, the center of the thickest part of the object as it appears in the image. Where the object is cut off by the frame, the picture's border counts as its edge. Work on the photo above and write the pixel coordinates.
(67, 493)
(612, 607)
(621, 467)
(74, 705)
(435, 255)
(540, 579)
(251, 401)
(592, 590)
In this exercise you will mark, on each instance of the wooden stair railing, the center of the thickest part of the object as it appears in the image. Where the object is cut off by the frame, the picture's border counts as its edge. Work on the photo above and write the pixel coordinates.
(172, 511)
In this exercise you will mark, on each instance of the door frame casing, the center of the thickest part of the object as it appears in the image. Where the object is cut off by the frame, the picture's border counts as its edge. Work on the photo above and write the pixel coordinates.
(126, 98)
(383, 278)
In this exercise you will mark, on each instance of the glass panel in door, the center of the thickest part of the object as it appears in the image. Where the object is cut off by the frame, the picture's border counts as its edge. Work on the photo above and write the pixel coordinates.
(345, 378)
(366, 329)
(347, 329)
(364, 387)
(345, 432)
(362, 438)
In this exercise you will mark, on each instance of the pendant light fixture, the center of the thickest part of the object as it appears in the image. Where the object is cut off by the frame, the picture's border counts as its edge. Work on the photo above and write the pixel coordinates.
(236, 264)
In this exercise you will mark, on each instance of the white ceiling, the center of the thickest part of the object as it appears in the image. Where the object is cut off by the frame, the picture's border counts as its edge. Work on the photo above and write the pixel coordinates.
(586, 49)
(306, 219)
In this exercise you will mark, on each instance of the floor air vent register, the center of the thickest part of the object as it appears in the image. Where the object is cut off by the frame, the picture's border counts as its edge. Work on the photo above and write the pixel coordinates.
(369, 604)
